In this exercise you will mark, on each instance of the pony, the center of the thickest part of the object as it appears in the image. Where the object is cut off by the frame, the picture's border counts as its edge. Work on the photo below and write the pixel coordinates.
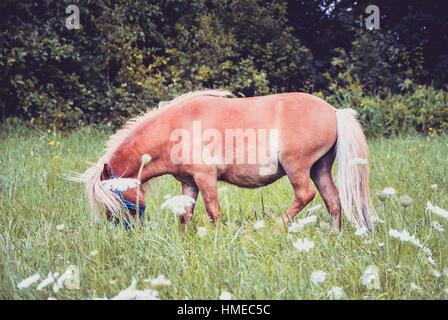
(184, 138)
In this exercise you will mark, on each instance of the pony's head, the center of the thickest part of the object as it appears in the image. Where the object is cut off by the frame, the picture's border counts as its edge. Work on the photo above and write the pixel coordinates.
(98, 195)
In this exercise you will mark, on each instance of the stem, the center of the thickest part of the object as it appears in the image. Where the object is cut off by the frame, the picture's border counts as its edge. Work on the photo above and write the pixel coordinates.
(138, 190)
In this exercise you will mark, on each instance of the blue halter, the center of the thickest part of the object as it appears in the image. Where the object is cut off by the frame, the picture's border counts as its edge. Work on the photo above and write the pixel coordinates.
(127, 203)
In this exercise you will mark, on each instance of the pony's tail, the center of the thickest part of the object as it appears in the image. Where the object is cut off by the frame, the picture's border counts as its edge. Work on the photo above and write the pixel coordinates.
(353, 172)
(96, 193)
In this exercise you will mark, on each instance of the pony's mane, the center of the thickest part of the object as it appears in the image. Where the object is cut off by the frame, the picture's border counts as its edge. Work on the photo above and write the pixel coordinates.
(117, 139)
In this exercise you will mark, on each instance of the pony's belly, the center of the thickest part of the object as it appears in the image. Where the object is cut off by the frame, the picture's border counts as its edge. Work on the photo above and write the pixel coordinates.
(251, 176)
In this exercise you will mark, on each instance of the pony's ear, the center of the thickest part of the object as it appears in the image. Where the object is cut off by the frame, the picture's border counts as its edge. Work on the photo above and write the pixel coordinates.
(106, 174)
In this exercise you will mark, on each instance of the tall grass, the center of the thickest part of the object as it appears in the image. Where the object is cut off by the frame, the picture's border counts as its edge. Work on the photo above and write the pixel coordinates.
(263, 264)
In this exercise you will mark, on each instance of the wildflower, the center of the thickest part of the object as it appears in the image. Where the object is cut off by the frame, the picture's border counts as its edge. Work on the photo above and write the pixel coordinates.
(60, 227)
(93, 253)
(436, 273)
(375, 220)
(335, 293)
(259, 225)
(113, 282)
(146, 158)
(389, 191)
(380, 244)
(50, 279)
(381, 195)
(405, 201)
(406, 237)
(202, 231)
(301, 223)
(434, 186)
(324, 225)
(131, 293)
(358, 161)
(363, 231)
(371, 278)
(318, 277)
(437, 226)
(225, 296)
(317, 207)
(177, 204)
(159, 282)
(69, 279)
(120, 184)
(28, 281)
(303, 244)
(437, 210)
(415, 287)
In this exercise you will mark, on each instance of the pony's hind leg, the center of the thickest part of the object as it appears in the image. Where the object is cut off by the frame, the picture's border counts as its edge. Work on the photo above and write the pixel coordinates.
(303, 192)
(322, 178)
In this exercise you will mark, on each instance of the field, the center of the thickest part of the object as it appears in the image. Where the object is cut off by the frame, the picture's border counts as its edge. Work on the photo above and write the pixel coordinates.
(46, 226)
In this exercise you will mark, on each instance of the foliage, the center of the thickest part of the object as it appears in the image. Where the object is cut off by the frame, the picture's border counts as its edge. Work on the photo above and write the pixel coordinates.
(129, 55)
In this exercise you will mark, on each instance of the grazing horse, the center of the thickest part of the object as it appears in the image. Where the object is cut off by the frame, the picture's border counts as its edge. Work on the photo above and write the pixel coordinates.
(204, 137)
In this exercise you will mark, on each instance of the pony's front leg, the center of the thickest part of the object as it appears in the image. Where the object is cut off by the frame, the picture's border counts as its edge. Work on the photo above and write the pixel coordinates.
(207, 184)
(188, 189)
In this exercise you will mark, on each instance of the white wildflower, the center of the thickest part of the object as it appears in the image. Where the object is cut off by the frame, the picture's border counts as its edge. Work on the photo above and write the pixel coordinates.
(146, 158)
(318, 277)
(49, 280)
(93, 253)
(131, 293)
(51, 298)
(317, 207)
(202, 231)
(371, 278)
(28, 281)
(177, 204)
(437, 226)
(335, 293)
(434, 186)
(324, 225)
(436, 273)
(437, 210)
(380, 244)
(259, 225)
(303, 244)
(389, 191)
(431, 260)
(376, 220)
(60, 227)
(159, 282)
(120, 184)
(301, 223)
(225, 296)
(363, 231)
(406, 237)
(415, 287)
(358, 161)
(69, 279)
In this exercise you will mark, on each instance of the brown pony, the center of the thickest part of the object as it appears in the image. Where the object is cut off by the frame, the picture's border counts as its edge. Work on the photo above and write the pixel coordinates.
(203, 137)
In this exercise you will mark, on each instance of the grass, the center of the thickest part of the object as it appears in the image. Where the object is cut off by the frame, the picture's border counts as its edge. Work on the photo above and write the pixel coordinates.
(263, 264)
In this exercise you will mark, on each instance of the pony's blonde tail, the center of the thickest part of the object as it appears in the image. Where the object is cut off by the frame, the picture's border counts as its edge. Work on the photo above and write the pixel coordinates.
(353, 172)
(96, 193)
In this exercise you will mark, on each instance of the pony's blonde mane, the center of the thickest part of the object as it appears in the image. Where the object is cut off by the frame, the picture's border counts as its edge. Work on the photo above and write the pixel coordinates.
(92, 176)
(117, 139)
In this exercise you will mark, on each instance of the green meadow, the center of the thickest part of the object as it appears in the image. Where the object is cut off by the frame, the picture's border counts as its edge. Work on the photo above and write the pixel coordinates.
(46, 226)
